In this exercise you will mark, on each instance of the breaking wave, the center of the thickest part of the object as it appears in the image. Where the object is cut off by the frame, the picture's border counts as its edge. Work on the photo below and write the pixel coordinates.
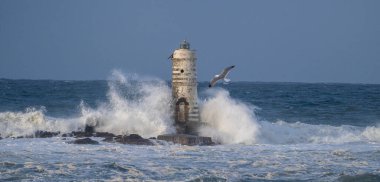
(13, 124)
(134, 106)
(228, 120)
(282, 132)
(142, 106)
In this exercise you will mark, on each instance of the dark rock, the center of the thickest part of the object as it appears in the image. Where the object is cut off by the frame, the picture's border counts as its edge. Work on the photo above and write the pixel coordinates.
(104, 134)
(81, 134)
(84, 141)
(109, 139)
(185, 139)
(0, 138)
(67, 135)
(132, 139)
(45, 134)
(153, 138)
(89, 129)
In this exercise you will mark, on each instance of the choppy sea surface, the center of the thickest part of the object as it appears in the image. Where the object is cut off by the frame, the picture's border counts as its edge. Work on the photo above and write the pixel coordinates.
(267, 131)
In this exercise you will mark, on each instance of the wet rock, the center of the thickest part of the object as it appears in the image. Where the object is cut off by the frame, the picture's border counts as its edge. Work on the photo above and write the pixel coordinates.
(45, 134)
(104, 134)
(89, 129)
(185, 139)
(84, 141)
(109, 139)
(132, 139)
(81, 134)
(67, 135)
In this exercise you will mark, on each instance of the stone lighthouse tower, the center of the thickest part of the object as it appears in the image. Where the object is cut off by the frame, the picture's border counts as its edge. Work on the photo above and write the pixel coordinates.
(185, 96)
(184, 88)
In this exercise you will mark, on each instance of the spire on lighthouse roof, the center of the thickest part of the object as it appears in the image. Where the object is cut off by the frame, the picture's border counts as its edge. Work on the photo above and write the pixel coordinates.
(184, 45)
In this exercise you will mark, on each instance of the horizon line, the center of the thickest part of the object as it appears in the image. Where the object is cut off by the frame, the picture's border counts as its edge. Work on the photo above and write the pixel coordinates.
(201, 81)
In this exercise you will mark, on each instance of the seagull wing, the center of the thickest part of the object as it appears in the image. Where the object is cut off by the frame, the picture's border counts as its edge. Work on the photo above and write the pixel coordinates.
(214, 80)
(226, 71)
(221, 76)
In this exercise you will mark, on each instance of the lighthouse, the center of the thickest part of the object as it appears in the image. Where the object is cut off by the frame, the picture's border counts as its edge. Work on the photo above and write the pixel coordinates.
(185, 97)
(184, 89)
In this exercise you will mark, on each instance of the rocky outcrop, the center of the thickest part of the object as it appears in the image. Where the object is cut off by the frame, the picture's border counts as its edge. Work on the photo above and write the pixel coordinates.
(37, 134)
(132, 139)
(185, 139)
(81, 134)
(89, 129)
(84, 141)
(45, 134)
(104, 134)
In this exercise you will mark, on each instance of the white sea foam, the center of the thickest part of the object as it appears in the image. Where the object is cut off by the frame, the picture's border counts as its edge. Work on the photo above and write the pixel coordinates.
(228, 120)
(231, 121)
(142, 105)
(14, 124)
(134, 106)
(144, 108)
(282, 132)
(372, 133)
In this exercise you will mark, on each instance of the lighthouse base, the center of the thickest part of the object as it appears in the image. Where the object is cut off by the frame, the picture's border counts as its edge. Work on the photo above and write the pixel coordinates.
(185, 139)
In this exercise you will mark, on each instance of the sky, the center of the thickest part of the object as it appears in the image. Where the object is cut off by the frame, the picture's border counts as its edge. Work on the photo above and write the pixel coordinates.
(267, 40)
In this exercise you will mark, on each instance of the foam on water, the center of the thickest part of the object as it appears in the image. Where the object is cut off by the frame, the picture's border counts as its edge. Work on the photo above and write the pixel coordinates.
(282, 132)
(31, 120)
(133, 106)
(228, 120)
(142, 105)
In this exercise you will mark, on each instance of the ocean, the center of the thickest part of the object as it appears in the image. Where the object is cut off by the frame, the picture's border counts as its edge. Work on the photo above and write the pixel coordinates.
(266, 131)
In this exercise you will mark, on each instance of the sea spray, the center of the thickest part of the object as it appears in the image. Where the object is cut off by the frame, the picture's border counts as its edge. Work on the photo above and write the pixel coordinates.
(282, 132)
(14, 124)
(134, 106)
(138, 104)
(228, 120)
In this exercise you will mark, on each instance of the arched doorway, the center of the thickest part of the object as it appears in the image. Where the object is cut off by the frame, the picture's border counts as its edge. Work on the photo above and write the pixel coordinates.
(182, 110)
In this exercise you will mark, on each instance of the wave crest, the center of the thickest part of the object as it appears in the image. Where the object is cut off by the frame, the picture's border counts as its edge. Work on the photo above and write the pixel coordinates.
(282, 132)
(134, 106)
(13, 124)
(228, 120)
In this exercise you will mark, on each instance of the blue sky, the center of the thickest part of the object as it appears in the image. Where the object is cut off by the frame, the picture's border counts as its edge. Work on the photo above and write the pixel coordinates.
(291, 41)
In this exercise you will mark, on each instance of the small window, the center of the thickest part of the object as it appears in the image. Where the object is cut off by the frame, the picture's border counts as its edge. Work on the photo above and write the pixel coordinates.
(182, 71)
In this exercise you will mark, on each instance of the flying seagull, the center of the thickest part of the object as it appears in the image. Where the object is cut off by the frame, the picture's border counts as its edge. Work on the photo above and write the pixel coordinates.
(222, 75)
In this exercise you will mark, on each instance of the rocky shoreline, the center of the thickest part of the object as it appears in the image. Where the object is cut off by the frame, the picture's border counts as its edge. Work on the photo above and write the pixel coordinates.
(84, 137)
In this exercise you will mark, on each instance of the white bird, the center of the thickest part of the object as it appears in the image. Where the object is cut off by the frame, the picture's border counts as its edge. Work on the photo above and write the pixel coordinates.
(222, 75)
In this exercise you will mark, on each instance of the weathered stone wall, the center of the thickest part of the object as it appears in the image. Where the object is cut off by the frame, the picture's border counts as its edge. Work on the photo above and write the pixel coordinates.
(184, 88)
